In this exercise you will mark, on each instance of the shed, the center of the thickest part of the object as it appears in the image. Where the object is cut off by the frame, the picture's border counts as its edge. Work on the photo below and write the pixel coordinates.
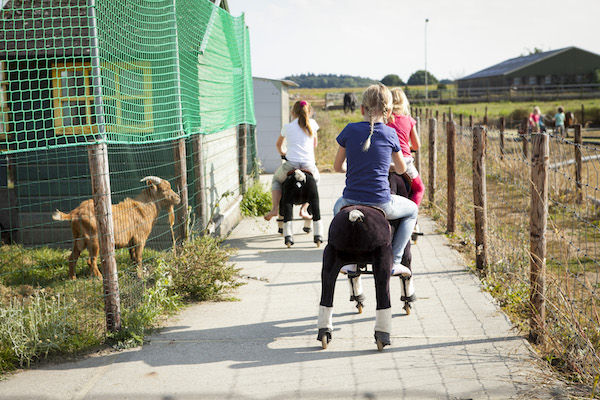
(182, 73)
(272, 111)
(567, 66)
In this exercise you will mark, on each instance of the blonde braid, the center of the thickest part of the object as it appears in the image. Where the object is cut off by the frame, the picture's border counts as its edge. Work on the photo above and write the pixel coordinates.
(367, 143)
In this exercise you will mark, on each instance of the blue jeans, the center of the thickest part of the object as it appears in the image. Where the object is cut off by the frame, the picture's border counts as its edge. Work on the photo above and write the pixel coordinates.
(397, 207)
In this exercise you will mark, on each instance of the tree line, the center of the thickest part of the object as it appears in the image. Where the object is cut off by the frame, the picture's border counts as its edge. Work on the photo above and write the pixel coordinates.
(338, 81)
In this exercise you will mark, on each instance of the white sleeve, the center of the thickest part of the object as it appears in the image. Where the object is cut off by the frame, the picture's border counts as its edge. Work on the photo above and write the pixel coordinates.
(314, 125)
(283, 130)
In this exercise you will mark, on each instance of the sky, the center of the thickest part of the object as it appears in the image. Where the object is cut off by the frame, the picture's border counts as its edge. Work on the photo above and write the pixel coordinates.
(373, 38)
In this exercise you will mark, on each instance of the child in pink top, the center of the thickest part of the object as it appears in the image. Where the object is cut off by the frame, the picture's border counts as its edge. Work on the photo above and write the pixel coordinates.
(404, 125)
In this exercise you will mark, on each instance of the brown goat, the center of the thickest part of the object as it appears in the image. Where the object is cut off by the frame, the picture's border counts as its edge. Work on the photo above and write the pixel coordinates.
(133, 221)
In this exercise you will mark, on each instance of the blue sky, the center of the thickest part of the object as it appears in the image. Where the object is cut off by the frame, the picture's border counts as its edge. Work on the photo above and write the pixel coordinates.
(372, 38)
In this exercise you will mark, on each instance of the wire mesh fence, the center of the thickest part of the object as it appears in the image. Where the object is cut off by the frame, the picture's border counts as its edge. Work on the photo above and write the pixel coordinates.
(165, 87)
(571, 295)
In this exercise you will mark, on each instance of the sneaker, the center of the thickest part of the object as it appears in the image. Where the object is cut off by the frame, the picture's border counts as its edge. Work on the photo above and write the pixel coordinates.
(399, 269)
(348, 268)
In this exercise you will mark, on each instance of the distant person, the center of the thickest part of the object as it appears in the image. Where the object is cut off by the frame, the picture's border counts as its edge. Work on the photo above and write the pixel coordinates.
(534, 120)
(370, 146)
(301, 136)
(404, 125)
(559, 121)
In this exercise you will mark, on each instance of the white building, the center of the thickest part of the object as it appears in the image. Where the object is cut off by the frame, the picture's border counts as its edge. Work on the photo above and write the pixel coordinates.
(272, 111)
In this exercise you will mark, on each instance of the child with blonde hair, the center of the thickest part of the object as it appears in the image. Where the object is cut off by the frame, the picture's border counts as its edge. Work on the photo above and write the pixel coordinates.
(301, 137)
(404, 125)
(369, 147)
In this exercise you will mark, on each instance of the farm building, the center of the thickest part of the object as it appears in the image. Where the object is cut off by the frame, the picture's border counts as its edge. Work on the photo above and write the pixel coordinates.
(272, 108)
(145, 77)
(567, 67)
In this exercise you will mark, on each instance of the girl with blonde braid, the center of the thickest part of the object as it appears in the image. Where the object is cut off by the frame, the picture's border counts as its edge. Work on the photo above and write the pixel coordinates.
(369, 147)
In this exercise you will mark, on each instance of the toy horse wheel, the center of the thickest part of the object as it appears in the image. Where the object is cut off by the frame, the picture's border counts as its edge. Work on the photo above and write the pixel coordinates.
(324, 342)
(318, 244)
(379, 345)
(407, 308)
(288, 244)
(360, 308)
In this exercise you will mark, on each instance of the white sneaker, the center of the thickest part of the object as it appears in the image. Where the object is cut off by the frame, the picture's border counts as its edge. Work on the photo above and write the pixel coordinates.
(399, 269)
(348, 268)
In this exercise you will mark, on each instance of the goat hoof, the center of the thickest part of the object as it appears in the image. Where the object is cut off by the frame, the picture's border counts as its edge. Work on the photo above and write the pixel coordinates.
(324, 336)
(382, 339)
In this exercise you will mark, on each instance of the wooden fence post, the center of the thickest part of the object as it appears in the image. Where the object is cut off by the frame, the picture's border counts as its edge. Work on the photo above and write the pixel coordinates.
(485, 117)
(418, 152)
(582, 115)
(537, 235)
(181, 215)
(99, 172)
(432, 158)
(502, 127)
(451, 176)
(480, 197)
(242, 157)
(578, 164)
(460, 124)
(100, 179)
(199, 181)
(471, 122)
(524, 136)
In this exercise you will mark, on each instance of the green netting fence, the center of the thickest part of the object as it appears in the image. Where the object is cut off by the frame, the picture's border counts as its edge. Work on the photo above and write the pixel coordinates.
(147, 79)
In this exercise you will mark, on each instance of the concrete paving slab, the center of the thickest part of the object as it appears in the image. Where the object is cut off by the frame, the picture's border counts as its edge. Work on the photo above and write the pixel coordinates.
(456, 344)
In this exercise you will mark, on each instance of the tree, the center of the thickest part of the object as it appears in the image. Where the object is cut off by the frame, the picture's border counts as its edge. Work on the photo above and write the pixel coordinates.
(392, 80)
(418, 78)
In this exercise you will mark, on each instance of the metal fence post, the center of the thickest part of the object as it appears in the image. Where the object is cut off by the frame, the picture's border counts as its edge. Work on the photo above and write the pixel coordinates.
(578, 164)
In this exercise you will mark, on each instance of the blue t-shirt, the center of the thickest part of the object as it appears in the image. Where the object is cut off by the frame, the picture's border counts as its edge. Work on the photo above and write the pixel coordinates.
(367, 171)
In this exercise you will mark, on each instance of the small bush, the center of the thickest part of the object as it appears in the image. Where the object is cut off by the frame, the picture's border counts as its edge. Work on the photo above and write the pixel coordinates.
(256, 201)
(201, 270)
(34, 328)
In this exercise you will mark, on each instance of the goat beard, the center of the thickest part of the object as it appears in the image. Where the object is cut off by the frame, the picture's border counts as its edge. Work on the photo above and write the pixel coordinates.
(171, 223)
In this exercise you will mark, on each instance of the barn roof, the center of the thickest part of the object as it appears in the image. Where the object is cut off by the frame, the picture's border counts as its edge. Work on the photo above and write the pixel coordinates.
(514, 64)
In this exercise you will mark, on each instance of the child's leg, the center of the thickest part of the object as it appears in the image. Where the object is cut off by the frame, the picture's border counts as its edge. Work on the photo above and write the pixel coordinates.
(401, 207)
(278, 177)
(417, 189)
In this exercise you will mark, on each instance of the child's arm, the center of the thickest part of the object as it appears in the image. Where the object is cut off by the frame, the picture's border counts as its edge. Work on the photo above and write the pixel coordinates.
(399, 164)
(340, 157)
(279, 145)
(415, 143)
(316, 140)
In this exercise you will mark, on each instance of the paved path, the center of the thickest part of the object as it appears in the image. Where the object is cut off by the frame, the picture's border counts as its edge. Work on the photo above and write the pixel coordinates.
(456, 344)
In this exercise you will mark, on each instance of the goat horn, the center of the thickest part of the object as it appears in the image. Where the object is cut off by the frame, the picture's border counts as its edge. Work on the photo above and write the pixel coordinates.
(154, 179)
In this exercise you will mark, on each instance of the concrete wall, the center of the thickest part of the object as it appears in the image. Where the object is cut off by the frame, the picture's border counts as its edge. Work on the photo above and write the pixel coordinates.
(221, 171)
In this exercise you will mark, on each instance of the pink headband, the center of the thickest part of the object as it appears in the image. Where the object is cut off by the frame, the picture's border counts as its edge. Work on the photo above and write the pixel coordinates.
(303, 103)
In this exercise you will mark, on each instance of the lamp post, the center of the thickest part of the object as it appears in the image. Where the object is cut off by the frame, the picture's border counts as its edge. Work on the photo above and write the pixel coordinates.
(426, 93)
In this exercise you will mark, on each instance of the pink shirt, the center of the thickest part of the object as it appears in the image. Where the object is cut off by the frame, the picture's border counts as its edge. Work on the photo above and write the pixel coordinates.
(403, 124)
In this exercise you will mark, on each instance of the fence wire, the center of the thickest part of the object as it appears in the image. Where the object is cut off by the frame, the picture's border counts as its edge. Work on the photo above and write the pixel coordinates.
(572, 296)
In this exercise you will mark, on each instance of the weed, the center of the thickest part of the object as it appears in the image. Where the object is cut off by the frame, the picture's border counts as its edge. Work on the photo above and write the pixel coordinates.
(256, 201)
(201, 270)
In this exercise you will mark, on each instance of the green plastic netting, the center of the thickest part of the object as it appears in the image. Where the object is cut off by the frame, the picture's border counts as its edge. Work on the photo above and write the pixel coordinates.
(166, 69)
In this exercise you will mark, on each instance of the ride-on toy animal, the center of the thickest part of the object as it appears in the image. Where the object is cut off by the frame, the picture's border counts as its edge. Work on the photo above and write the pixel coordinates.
(299, 188)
